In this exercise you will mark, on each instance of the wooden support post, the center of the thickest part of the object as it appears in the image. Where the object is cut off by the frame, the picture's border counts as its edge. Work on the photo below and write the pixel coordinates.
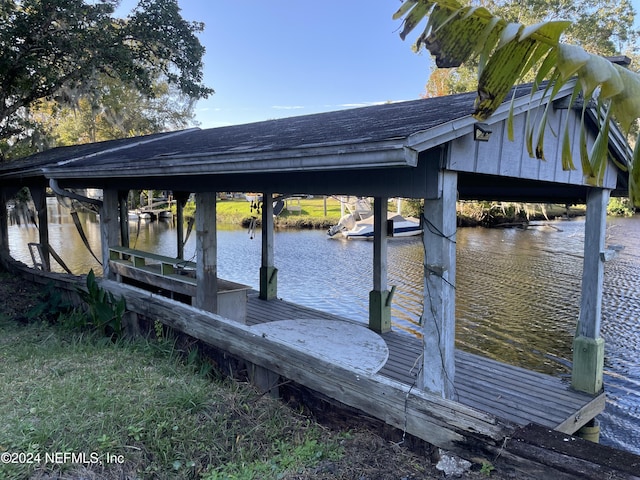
(268, 271)
(588, 346)
(181, 201)
(379, 297)
(264, 380)
(4, 224)
(5, 195)
(438, 317)
(39, 196)
(109, 229)
(206, 253)
(123, 200)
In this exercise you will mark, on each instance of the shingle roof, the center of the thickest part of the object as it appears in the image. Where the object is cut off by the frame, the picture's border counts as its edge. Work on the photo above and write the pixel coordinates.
(377, 123)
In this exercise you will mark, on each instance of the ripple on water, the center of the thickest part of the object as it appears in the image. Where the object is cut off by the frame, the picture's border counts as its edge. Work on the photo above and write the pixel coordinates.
(517, 292)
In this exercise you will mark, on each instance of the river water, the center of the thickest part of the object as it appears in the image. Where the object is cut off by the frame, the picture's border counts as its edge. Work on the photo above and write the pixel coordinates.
(517, 291)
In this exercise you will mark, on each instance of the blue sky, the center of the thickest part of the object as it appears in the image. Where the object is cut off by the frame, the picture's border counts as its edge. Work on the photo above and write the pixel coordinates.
(279, 58)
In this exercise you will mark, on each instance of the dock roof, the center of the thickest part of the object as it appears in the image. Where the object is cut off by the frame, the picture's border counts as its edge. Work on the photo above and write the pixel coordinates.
(303, 153)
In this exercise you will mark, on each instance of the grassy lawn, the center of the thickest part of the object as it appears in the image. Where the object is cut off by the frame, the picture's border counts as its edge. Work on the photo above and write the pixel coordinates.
(80, 405)
(311, 214)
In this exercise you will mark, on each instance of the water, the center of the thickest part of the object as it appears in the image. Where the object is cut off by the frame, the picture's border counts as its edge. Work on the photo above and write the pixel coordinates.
(518, 291)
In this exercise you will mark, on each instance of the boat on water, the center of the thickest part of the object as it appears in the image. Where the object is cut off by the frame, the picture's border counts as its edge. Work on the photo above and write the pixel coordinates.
(135, 215)
(358, 223)
(363, 229)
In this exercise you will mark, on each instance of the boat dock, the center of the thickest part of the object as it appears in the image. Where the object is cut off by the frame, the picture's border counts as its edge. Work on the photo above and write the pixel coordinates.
(424, 149)
(512, 393)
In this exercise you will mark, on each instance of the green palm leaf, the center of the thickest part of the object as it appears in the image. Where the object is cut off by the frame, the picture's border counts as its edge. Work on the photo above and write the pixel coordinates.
(456, 34)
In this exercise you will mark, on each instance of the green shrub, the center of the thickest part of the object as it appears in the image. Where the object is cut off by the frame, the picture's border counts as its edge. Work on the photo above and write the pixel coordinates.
(620, 207)
(104, 311)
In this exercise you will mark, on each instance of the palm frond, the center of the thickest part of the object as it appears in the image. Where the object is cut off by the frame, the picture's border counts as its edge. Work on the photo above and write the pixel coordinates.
(455, 34)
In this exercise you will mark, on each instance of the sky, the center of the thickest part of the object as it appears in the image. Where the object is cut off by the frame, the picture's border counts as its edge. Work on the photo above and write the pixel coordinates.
(270, 59)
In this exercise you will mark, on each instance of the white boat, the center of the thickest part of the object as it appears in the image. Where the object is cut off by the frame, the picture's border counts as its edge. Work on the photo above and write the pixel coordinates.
(358, 224)
(363, 229)
(135, 215)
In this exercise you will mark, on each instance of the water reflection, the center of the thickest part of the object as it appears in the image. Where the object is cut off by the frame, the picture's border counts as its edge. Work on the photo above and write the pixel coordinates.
(517, 291)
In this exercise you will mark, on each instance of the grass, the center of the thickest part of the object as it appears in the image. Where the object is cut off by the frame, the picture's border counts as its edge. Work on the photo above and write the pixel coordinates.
(138, 408)
(311, 214)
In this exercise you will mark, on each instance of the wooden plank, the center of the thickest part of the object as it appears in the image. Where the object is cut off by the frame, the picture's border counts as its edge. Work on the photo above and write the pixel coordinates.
(462, 154)
(502, 396)
(380, 206)
(593, 264)
(341, 343)
(526, 379)
(582, 459)
(583, 416)
(552, 146)
(442, 422)
(268, 271)
(39, 197)
(506, 401)
(588, 351)
(4, 222)
(122, 251)
(514, 153)
(109, 227)
(181, 201)
(536, 391)
(206, 252)
(551, 393)
(449, 425)
(438, 319)
(150, 276)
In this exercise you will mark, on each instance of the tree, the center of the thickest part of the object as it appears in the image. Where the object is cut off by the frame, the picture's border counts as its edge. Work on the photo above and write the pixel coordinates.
(507, 51)
(49, 47)
(602, 27)
(113, 110)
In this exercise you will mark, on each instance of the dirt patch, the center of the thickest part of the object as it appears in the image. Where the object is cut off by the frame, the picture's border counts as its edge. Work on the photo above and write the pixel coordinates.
(17, 296)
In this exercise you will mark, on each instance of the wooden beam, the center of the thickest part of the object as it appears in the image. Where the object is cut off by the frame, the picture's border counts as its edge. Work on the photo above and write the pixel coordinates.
(553, 454)
(39, 196)
(593, 264)
(268, 271)
(380, 243)
(206, 252)
(588, 346)
(379, 297)
(4, 223)
(444, 423)
(181, 201)
(438, 317)
(447, 424)
(123, 200)
(109, 228)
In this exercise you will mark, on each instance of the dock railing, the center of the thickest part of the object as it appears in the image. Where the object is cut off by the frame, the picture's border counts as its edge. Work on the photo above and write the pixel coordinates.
(177, 278)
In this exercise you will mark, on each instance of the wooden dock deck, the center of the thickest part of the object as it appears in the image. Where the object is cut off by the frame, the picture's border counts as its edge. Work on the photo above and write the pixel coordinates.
(512, 393)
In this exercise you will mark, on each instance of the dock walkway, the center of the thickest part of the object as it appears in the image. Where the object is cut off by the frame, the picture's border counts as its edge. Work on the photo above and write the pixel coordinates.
(505, 391)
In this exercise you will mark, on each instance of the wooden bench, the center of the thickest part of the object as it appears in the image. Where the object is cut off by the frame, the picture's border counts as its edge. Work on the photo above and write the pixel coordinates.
(177, 276)
(293, 207)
